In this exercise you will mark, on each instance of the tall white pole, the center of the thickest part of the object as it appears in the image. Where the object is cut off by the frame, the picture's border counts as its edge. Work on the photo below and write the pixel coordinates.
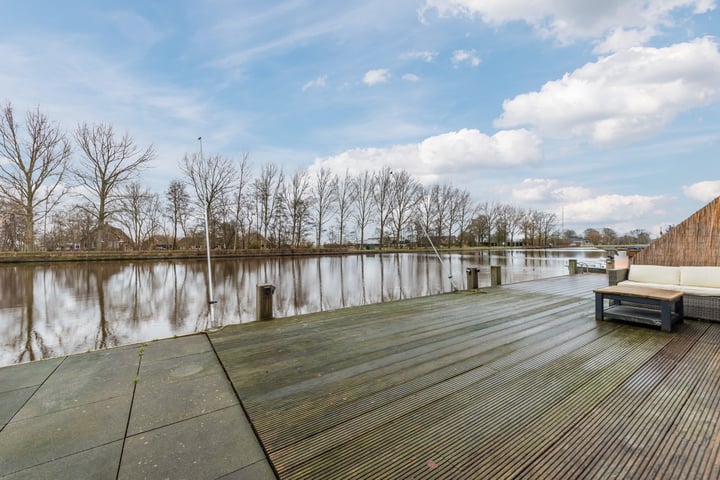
(211, 301)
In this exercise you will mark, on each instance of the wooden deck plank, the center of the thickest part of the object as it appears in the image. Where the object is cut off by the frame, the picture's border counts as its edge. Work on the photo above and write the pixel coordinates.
(594, 444)
(511, 382)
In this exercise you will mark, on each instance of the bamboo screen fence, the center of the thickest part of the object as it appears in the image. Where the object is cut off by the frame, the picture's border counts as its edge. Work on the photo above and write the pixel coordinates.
(695, 242)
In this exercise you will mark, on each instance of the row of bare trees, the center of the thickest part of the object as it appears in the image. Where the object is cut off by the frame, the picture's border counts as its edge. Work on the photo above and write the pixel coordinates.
(82, 192)
(36, 172)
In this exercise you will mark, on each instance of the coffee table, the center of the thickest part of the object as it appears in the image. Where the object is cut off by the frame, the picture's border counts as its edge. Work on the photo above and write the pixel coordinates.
(652, 306)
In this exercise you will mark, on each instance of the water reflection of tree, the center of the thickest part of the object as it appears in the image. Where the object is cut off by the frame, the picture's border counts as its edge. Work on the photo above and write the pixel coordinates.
(342, 283)
(401, 293)
(179, 304)
(104, 336)
(362, 278)
(320, 283)
(29, 341)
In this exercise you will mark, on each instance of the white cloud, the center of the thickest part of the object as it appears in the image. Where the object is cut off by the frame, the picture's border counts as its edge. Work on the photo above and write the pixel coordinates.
(462, 152)
(373, 77)
(621, 39)
(533, 190)
(465, 56)
(621, 97)
(411, 77)
(566, 21)
(425, 55)
(319, 82)
(703, 191)
(543, 190)
(606, 209)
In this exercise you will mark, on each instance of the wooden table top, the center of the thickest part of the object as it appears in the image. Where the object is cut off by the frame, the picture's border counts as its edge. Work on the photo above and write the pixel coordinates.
(641, 292)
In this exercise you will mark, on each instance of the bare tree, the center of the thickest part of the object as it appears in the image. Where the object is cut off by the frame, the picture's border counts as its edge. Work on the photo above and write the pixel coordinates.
(212, 178)
(382, 195)
(364, 186)
(108, 162)
(138, 213)
(32, 169)
(426, 211)
(178, 205)
(491, 211)
(344, 196)
(443, 203)
(453, 213)
(406, 193)
(267, 190)
(323, 199)
(297, 203)
(242, 217)
(465, 212)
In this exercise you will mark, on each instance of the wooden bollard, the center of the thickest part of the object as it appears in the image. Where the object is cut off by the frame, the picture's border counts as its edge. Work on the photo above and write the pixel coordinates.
(264, 301)
(495, 275)
(472, 277)
(572, 266)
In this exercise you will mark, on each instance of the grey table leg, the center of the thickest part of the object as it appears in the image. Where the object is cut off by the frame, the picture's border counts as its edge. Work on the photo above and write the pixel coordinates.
(665, 316)
(599, 306)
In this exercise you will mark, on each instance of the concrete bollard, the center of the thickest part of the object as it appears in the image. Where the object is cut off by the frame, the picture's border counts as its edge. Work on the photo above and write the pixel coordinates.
(572, 266)
(264, 301)
(495, 275)
(472, 277)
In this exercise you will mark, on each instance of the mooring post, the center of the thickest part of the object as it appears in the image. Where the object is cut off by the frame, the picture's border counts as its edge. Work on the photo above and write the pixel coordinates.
(264, 301)
(572, 266)
(472, 277)
(495, 275)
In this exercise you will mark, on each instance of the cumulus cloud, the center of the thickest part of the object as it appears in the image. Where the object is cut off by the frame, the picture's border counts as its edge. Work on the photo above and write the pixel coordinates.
(566, 21)
(319, 82)
(579, 205)
(465, 56)
(621, 97)
(544, 190)
(411, 77)
(612, 208)
(373, 77)
(460, 151)
(703, 191)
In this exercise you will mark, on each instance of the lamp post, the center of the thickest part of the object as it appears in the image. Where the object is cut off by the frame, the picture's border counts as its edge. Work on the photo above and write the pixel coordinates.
(211, 300)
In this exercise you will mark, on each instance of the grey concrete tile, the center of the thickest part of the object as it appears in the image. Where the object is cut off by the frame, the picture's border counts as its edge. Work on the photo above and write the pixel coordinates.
(10, 402)
(180, 368)
(85, 379)
(176, 347)
(256, 471)
(24, 375)
(97, 463)
(31, 442)
(207, 446)
(91, 363)
(157, 404)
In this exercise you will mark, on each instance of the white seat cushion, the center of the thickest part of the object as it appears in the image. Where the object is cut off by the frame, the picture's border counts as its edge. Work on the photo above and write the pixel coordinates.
(700, 276)
(654, 274)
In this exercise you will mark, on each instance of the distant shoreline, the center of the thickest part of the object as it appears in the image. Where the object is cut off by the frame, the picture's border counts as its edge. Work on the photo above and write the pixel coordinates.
(199, 254)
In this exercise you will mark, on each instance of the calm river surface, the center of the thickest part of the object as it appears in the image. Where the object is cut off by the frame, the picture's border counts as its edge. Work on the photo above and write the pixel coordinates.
(55, 309)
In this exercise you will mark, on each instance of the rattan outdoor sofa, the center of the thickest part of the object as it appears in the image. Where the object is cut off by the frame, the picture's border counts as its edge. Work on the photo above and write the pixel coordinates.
(700, 285)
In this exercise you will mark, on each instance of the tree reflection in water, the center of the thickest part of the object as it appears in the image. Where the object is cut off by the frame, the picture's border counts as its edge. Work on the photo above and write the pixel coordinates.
(57, 309)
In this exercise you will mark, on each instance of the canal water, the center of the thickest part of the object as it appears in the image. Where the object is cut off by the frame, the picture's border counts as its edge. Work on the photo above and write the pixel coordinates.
(48, 310)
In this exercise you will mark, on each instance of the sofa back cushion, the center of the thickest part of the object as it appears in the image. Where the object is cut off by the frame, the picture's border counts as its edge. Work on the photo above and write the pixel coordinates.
(700, 276)
(654, 274)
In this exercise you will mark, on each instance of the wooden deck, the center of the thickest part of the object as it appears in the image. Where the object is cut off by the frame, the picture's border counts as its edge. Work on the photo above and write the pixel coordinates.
(512, 382)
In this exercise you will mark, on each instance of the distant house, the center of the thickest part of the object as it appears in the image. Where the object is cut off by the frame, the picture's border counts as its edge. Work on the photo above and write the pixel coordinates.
(113, 239)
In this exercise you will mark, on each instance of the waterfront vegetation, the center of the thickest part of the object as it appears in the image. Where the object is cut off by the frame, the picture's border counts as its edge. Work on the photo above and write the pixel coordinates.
(82, 192)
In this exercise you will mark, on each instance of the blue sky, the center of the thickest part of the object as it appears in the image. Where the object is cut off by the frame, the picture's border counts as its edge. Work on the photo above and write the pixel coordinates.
(606, 113)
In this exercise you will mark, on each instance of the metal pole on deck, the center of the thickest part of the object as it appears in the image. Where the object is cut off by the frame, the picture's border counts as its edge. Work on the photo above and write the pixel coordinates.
(211, 300)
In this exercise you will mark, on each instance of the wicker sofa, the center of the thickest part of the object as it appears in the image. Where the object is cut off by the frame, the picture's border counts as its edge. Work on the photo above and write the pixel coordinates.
(700, 285)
